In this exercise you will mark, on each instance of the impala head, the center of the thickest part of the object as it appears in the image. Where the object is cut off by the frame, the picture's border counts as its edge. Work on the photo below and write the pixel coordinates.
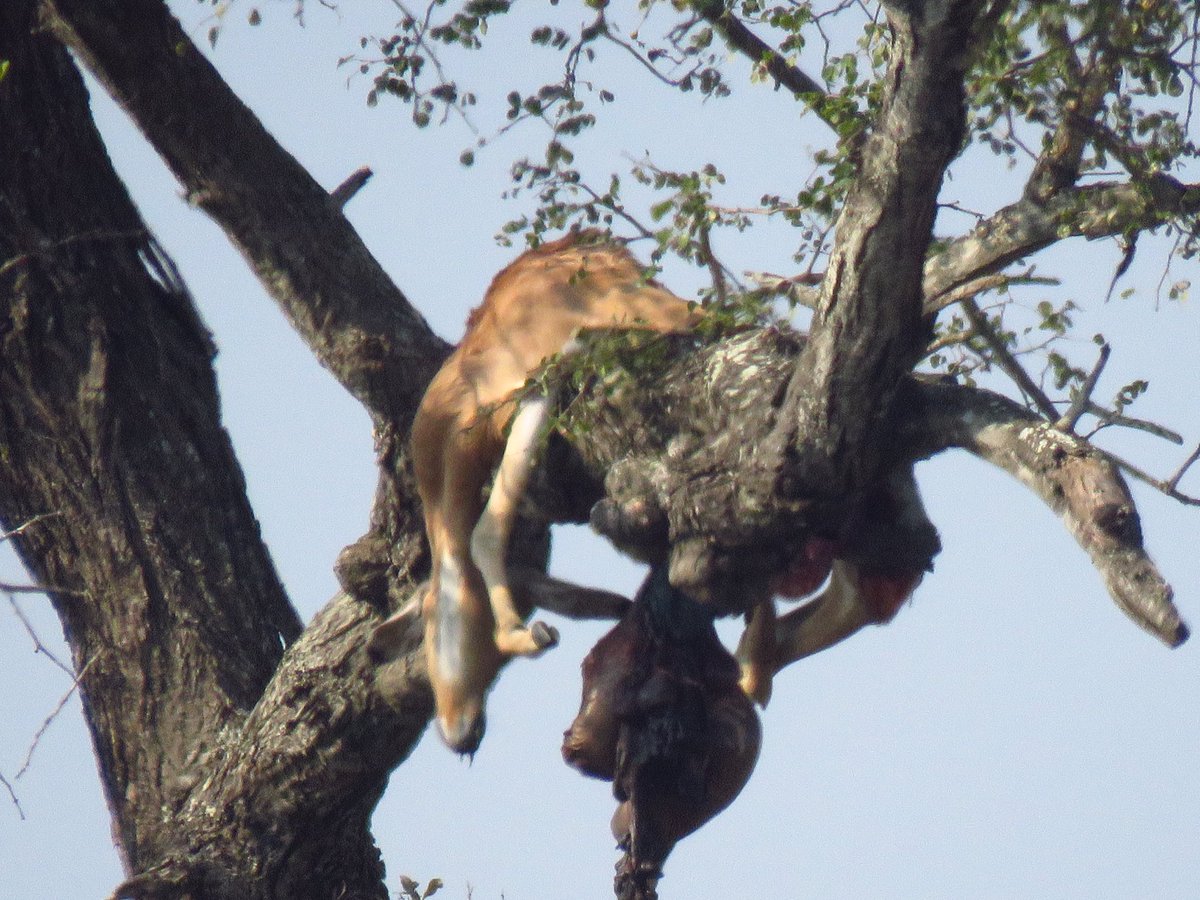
(461, 656)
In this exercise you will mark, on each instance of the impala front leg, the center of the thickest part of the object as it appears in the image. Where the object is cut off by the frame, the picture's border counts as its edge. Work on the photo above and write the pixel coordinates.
(489, 539)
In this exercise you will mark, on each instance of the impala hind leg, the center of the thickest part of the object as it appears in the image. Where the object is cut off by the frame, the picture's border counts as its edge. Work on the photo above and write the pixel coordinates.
(489, 539)
(756, 653)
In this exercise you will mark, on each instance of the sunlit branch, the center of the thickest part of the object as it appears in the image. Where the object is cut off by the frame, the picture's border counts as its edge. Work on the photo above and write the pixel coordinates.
(1029, 225)
(1076, 479)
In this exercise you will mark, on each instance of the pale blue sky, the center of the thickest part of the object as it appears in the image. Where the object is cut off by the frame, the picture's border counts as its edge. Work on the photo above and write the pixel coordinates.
(1010, 735)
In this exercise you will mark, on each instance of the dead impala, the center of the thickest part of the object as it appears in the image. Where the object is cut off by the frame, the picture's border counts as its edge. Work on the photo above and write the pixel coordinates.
(473, 623)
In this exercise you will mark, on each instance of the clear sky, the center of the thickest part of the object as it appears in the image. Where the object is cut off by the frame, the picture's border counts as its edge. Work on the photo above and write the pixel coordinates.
(1011, 734)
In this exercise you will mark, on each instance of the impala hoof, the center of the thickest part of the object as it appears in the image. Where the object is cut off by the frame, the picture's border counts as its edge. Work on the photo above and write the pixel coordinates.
(544, 636)
(532, 641)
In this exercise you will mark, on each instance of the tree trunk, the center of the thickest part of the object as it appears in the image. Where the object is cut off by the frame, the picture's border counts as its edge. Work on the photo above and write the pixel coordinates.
(216, 751)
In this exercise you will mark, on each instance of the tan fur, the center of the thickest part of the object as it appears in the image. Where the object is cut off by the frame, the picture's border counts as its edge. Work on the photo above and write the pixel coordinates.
(533, 308)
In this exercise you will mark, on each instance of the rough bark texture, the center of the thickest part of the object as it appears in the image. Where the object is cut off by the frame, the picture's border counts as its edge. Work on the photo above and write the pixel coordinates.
(867, 331)
(109, 424)
(292, 233)
(676, 443)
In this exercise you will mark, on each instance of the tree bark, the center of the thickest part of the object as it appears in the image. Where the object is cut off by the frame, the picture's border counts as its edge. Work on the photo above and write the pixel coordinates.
(232, 769)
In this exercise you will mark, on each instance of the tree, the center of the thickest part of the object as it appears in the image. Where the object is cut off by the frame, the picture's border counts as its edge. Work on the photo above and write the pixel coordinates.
(151, 526)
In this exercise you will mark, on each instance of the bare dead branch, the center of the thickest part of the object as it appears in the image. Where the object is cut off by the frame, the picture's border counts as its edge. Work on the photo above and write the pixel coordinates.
(1006, 362)
(1083, 396)
(38, 646)
(1110, 417)
(344, 192)
(37, 736)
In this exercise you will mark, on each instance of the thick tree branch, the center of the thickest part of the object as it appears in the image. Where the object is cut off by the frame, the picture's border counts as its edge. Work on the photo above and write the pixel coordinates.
(115, 460)
(675, 447)
(294, 236)
(738, 36)
(1076, 480)
(1057, 168)
(867, 331)
(289, 229)
(1029, 225)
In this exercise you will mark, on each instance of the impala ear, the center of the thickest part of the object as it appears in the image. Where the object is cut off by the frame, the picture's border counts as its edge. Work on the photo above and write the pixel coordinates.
(389, 639)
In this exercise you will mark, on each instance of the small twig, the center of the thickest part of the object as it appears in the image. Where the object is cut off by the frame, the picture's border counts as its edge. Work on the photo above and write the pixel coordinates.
(7, 588)
(1174, 480)
(617, 209)
(38, 646)
(979, 285)
(1165, 486)
(13, 794)
(1083, 397)
(5, 535)
(1006, 361)
(1108, 417)
(950, 339)
(37, 737)
(1123, 266)
(957, 207)
(342, 194)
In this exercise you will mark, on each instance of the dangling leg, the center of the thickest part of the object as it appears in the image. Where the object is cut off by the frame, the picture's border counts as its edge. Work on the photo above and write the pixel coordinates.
(489, 540)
